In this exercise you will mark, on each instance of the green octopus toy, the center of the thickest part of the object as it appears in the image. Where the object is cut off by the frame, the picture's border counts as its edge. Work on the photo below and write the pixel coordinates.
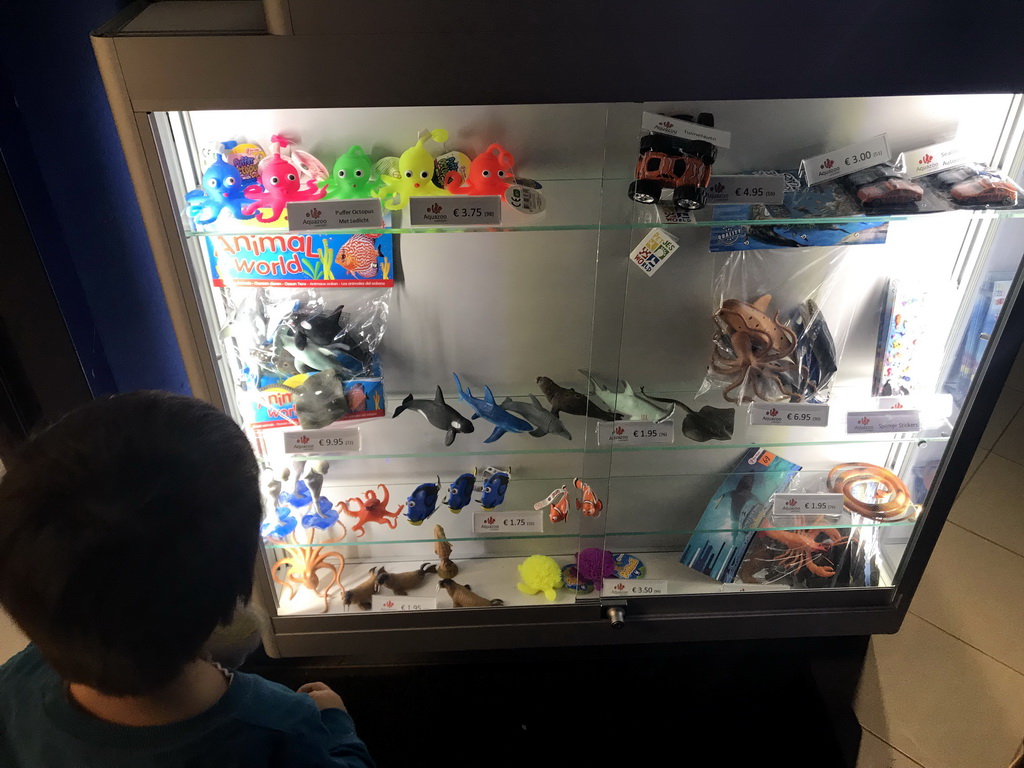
(350, 179)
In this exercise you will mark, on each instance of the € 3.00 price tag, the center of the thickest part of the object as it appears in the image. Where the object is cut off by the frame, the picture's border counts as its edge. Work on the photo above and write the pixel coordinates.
(322, 441)
(456, 211)
(496, 521)
(789, 415)
(766, 189)
(846, 160)
(636, 432)
(808, 504)
(873, 422)
(402, 603)
(633, 587)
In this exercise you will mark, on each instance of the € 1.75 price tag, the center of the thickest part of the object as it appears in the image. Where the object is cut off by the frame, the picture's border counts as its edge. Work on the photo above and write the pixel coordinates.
(873, 422)
(636, 432)
(633, 587)
(767, 189)
(322, 441)
(456, 211)
(496, 521)
(808, 504)
(846, 160)
(402, 603)
(789, 415)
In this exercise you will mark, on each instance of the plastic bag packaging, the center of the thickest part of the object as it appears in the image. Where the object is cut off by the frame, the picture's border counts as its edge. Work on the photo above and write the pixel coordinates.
(307, 360)
(772, 341)
(975, 186)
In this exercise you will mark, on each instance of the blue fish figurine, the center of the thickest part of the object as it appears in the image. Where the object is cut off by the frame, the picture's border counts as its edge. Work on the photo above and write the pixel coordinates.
(494, 490)
(459, 492)
(502, 420)
(423, 501)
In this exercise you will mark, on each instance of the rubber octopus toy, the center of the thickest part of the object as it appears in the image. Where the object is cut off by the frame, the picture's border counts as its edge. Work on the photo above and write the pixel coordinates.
(222, 188)
(350, 179)
(490, 173)
(416, 171)
(279, 185)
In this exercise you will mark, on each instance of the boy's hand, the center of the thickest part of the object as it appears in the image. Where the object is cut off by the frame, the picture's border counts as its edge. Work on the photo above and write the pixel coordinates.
(322, 696)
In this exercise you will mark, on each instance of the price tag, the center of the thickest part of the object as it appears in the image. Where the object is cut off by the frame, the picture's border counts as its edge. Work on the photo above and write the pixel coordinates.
(335, 214)
(808, 504)
(685, 129)
(870, 422)
(496, 521)
(846, 160)
(931, 159)
(402, 603)
(789, 415)
(747, 188)
(455, 211)
(653, 250)
(636, 433)
(633, 587)
(322, 441)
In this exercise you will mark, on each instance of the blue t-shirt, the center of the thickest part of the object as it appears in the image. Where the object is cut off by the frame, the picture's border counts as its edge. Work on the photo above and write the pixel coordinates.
(255, 724)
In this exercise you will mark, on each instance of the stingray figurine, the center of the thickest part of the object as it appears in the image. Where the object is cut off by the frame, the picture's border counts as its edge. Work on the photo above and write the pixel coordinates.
(709, 423)
(543, 420)
(502, 420)
(571, 401)
(439, 414)
(623, 400)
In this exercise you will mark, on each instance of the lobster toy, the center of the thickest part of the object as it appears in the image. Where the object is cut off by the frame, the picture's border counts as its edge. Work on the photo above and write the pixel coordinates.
(416, 173)
(279, 185)
(490, 173)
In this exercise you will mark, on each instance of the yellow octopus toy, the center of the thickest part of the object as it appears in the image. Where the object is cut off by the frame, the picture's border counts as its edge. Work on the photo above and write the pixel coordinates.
(416, 173)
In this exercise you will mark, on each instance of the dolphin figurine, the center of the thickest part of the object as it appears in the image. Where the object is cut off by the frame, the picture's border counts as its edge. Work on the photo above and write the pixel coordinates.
(627, 402)
(544, 421)
(503, 421)
(310, 357)
(439, 414)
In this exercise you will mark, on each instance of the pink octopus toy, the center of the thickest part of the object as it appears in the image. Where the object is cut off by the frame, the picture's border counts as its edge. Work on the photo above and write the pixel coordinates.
(279, 185)
(490, 173)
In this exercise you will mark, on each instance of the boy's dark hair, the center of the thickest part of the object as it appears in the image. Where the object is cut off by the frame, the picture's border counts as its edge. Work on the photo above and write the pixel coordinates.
(128, 532)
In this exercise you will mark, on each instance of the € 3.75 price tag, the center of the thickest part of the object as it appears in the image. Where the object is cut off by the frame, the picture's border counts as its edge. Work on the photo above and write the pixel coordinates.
(457, 211)
(636, 432)
(322, 441)
(873, 422)
(747, 188)
(496, 521)
(846, 160)
(633, 587)
(808, 504)
(789, 415)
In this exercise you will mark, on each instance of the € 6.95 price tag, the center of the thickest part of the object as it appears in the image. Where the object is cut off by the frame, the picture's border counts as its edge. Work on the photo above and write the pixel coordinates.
(846, 160)
(636, 432)
(633, 587)
(322, 441)
(402, 603)
(789, 415)
(496, 521)
(457, 211)
(748, 188)
(871, 422)
(808, 504)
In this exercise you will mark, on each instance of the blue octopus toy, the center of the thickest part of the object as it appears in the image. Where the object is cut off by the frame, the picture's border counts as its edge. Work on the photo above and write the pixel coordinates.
(222, 188)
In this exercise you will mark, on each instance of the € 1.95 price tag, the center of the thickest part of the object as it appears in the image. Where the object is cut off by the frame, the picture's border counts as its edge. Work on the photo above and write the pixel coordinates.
(767, 189)
(636, 432)
(322, 441)
(872, 422)
(633, 587)
(402, 603)
(846, 160)
(789, 415)
(457, 211)
(808, 504)
(496, 521)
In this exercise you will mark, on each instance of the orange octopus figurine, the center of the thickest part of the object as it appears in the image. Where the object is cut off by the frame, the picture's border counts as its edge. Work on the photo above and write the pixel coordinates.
(371, 510)
(490, 173)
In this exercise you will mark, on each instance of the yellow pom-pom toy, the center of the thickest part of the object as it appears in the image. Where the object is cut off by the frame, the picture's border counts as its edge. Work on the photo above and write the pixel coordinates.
(539, 573)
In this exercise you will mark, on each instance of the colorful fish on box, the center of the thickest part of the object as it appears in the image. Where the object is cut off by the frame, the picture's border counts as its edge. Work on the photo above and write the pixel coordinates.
(359, 256)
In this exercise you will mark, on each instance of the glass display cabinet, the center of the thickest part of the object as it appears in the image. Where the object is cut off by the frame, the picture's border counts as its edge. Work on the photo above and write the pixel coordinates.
(534, 366)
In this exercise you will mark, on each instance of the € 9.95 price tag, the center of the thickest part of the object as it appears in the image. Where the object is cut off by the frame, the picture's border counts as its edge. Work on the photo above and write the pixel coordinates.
(808, 504)
(789, 415)
(496, 521)
(402, 603)
(652, 251)
(748, 188)
(846, 160)
(322, 441)
(636, 432)
(872, 422)
(456, 211)
(633, 587)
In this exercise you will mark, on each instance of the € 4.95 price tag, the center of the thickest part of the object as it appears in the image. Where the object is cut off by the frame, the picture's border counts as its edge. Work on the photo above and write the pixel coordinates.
(496, 521)
(633, 587)
(456, 211)
(767, 189)
(808, 504)
(871, 422)
(846, 160)
(789, 415)
(636, 432)
(322, 441)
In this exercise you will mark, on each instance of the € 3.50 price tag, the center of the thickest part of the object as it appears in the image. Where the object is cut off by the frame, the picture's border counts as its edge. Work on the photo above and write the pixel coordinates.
(322, 441)
(789, 415)
(457, 211)
(636, 432)
(633, 587)
(496, 521)
(808, 504)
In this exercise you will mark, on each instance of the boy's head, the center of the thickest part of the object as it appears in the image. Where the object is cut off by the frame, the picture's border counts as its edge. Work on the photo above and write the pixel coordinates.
(128, 531)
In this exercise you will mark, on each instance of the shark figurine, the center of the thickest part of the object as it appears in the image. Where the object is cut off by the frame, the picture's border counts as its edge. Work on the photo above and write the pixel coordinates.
(543, 420)
(626, 401)
(438, 414)
(502, 420)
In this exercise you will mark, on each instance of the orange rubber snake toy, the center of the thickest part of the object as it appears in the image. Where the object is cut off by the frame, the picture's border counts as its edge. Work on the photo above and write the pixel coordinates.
(890, 499)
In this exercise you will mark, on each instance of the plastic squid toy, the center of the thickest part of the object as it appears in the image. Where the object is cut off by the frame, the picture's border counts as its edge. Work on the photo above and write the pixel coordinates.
(222, 188)
(350, 179)
(279, 185)
(490, 173)
(416, 173)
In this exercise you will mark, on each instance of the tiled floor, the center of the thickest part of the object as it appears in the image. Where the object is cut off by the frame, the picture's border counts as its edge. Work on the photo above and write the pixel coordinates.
(947, 691)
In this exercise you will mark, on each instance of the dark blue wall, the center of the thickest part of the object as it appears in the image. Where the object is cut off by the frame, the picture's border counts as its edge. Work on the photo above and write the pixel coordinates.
(58, 139)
